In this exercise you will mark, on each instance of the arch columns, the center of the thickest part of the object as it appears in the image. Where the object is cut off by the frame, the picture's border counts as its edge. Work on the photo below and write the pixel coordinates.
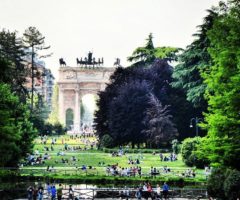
(62, 115)
(77, 112)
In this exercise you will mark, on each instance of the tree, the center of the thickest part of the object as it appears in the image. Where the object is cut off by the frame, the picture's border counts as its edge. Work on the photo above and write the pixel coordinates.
(145, 56)
(34, 42)
(160, 76)
(159, 127)
(223, 86)
(13, 71)
(224, 184)
(53, 116)
(127, 113)
(192, 61)
(189, 153)
(16, 130)
(39, 114)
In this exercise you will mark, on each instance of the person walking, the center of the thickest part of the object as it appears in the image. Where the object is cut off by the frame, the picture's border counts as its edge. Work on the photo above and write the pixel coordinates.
(165, 190)
(30, 193)
(138, 194)
(53, 192)
(40, 192)
(59, 192)
(71, 193)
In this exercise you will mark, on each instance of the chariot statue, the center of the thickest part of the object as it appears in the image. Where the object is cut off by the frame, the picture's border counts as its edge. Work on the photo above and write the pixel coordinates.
(90, 61)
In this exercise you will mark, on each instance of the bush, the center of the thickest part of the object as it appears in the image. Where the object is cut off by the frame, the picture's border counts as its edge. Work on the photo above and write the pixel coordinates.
(106, 141)
(215, 183)
(232, 184)
(189, 153)
(224, 184)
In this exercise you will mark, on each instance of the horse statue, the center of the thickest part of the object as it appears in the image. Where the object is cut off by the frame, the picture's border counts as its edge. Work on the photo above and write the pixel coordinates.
(62, 62)
(80, 62)
(117, 62)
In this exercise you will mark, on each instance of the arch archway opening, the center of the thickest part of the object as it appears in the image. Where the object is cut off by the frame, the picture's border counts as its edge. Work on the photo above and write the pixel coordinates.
(88, 107)
(69, 119)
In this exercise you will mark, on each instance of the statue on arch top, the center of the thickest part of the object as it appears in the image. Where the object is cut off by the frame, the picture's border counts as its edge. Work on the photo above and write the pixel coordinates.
(62, 62)
(90, 61)
(117, 62)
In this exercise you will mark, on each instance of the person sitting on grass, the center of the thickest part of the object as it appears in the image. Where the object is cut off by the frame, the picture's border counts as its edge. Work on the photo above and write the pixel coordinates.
(84, 167)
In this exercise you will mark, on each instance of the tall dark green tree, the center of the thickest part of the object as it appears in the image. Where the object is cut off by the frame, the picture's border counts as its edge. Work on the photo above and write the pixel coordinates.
(34, 42)
(193, 60)
(13, 70)
(145, 56)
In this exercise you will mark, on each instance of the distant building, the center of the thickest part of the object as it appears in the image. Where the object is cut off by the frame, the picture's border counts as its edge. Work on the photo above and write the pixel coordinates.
(47, 87)
(43, 82)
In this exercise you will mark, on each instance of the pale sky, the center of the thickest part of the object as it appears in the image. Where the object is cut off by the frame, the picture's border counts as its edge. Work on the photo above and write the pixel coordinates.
(109, 28)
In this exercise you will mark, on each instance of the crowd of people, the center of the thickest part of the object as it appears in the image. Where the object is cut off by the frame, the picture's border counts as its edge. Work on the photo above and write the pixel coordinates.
(58, 192)
(146, 191)
(51, 192)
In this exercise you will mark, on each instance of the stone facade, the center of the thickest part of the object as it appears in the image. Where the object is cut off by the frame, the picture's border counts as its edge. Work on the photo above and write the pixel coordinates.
(74, 83)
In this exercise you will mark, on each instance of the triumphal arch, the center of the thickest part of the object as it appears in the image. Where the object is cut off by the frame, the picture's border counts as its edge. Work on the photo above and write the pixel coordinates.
(74, 83)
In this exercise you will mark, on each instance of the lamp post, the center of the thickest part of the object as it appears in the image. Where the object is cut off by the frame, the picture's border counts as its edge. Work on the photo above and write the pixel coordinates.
(196, 120)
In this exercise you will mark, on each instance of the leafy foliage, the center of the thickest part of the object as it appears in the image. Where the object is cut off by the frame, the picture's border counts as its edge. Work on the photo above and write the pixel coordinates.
(223, 86)
(189, 154)
(224, 184)
(106, 141)
(16, 130)
(133, 86)
(53, 116)
(34, 42)
(215, 184)
(145, 56)
(232, 184)
(159, 126)
(193, 60)
(13, 71)
(127, 113)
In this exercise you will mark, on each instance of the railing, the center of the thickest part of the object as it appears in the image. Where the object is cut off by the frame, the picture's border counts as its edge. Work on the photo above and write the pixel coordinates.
(110, 193)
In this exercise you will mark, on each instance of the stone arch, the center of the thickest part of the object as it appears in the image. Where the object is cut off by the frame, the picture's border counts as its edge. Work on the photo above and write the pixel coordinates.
(74, 83)
(69, 118)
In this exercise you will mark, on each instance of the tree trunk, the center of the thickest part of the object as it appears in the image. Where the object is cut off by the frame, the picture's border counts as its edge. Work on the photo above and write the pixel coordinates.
(133, 145)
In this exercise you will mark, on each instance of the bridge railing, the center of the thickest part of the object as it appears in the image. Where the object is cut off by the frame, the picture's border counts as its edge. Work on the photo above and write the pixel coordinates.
(110, 193)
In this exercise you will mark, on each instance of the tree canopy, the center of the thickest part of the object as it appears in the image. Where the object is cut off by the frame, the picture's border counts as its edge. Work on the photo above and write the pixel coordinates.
(223, 85)
(16, 130)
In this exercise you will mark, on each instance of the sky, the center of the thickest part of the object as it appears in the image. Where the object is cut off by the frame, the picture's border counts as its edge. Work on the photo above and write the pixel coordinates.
(109, 28)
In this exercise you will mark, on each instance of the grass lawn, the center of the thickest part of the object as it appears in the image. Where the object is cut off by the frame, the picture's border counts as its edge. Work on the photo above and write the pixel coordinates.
(92, 157)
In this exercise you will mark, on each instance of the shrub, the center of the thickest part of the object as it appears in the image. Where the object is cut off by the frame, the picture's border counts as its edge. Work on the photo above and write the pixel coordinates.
(189, 153)
(232, 184)
(215, 183)
(224, 184)
(106, 141)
